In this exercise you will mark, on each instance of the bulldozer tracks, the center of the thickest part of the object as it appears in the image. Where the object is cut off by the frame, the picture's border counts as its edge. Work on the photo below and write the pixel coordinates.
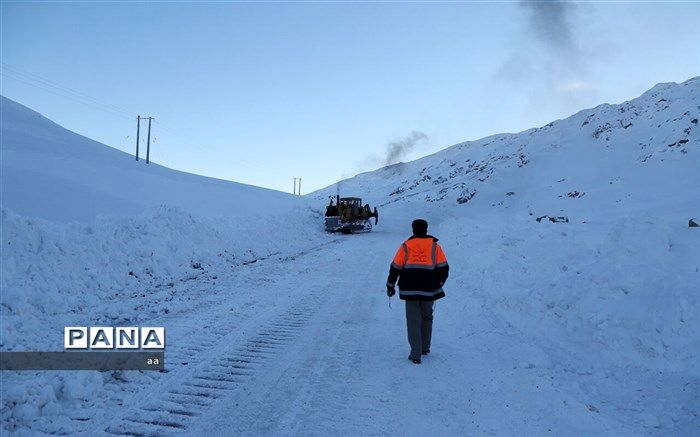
(214, 365)
(316, 381)
(182, 401)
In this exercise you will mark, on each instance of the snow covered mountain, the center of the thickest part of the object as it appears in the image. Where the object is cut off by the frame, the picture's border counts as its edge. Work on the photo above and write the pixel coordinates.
(614, 279)
(611, 161)
(621, 182)
(584, 324)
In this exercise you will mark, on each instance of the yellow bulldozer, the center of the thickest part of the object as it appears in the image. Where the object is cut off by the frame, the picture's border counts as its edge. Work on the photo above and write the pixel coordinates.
(348, 215)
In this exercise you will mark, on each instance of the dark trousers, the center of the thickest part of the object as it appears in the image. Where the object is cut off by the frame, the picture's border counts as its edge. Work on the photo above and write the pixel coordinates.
(419, 321)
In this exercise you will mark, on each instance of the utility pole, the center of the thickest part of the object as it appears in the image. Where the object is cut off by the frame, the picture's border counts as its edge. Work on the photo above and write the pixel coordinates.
(138, 138)
(295, 186)
(138, 128)
(148, 143)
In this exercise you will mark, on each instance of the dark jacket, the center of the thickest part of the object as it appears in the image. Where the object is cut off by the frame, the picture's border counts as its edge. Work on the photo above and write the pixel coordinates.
(421, 267)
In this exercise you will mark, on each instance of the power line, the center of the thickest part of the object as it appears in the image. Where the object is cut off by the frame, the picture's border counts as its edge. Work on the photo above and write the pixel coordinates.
(58, 92)
(32, 79)
(42, 80)
(55, 88)
(27, 78)
(36, 81)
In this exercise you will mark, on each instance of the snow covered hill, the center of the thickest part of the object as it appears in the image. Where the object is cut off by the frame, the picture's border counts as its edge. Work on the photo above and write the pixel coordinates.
(90, 236)
(614, 280)
(82, 218)
(613, 160)
(585, 325)
(52, 173)
(582, 224)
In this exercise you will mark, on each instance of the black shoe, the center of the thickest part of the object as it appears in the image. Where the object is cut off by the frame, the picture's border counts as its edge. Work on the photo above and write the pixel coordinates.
(426, 352)
(414, 360)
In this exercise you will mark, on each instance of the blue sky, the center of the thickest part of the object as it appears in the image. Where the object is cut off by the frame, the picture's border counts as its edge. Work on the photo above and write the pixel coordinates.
(264, 92)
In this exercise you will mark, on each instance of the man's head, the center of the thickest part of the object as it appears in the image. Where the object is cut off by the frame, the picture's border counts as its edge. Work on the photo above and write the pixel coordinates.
(420, 227)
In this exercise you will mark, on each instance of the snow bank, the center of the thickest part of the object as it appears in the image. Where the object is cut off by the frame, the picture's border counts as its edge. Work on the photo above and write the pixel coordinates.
(63, 274)
(92, 238)
(115, 272)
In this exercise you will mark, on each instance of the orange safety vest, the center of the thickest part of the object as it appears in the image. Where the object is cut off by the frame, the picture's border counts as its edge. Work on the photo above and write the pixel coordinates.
(419, 253)
(421, 268)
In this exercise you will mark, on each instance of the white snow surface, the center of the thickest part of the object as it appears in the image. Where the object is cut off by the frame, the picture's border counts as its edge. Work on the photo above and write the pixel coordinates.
(585, 327)
(55, 174)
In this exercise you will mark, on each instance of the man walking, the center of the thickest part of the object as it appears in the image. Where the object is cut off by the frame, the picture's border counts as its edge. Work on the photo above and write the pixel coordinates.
(421, 267)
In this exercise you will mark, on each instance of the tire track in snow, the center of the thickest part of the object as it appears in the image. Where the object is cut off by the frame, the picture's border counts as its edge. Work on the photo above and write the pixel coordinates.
(174, 404)
(317, 382)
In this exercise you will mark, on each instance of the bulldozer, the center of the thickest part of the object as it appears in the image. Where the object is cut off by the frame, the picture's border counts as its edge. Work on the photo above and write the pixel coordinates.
(348, 215)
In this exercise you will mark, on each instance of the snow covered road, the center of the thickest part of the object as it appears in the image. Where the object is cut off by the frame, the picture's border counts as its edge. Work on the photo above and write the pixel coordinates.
(316, 350)
(538, 333)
